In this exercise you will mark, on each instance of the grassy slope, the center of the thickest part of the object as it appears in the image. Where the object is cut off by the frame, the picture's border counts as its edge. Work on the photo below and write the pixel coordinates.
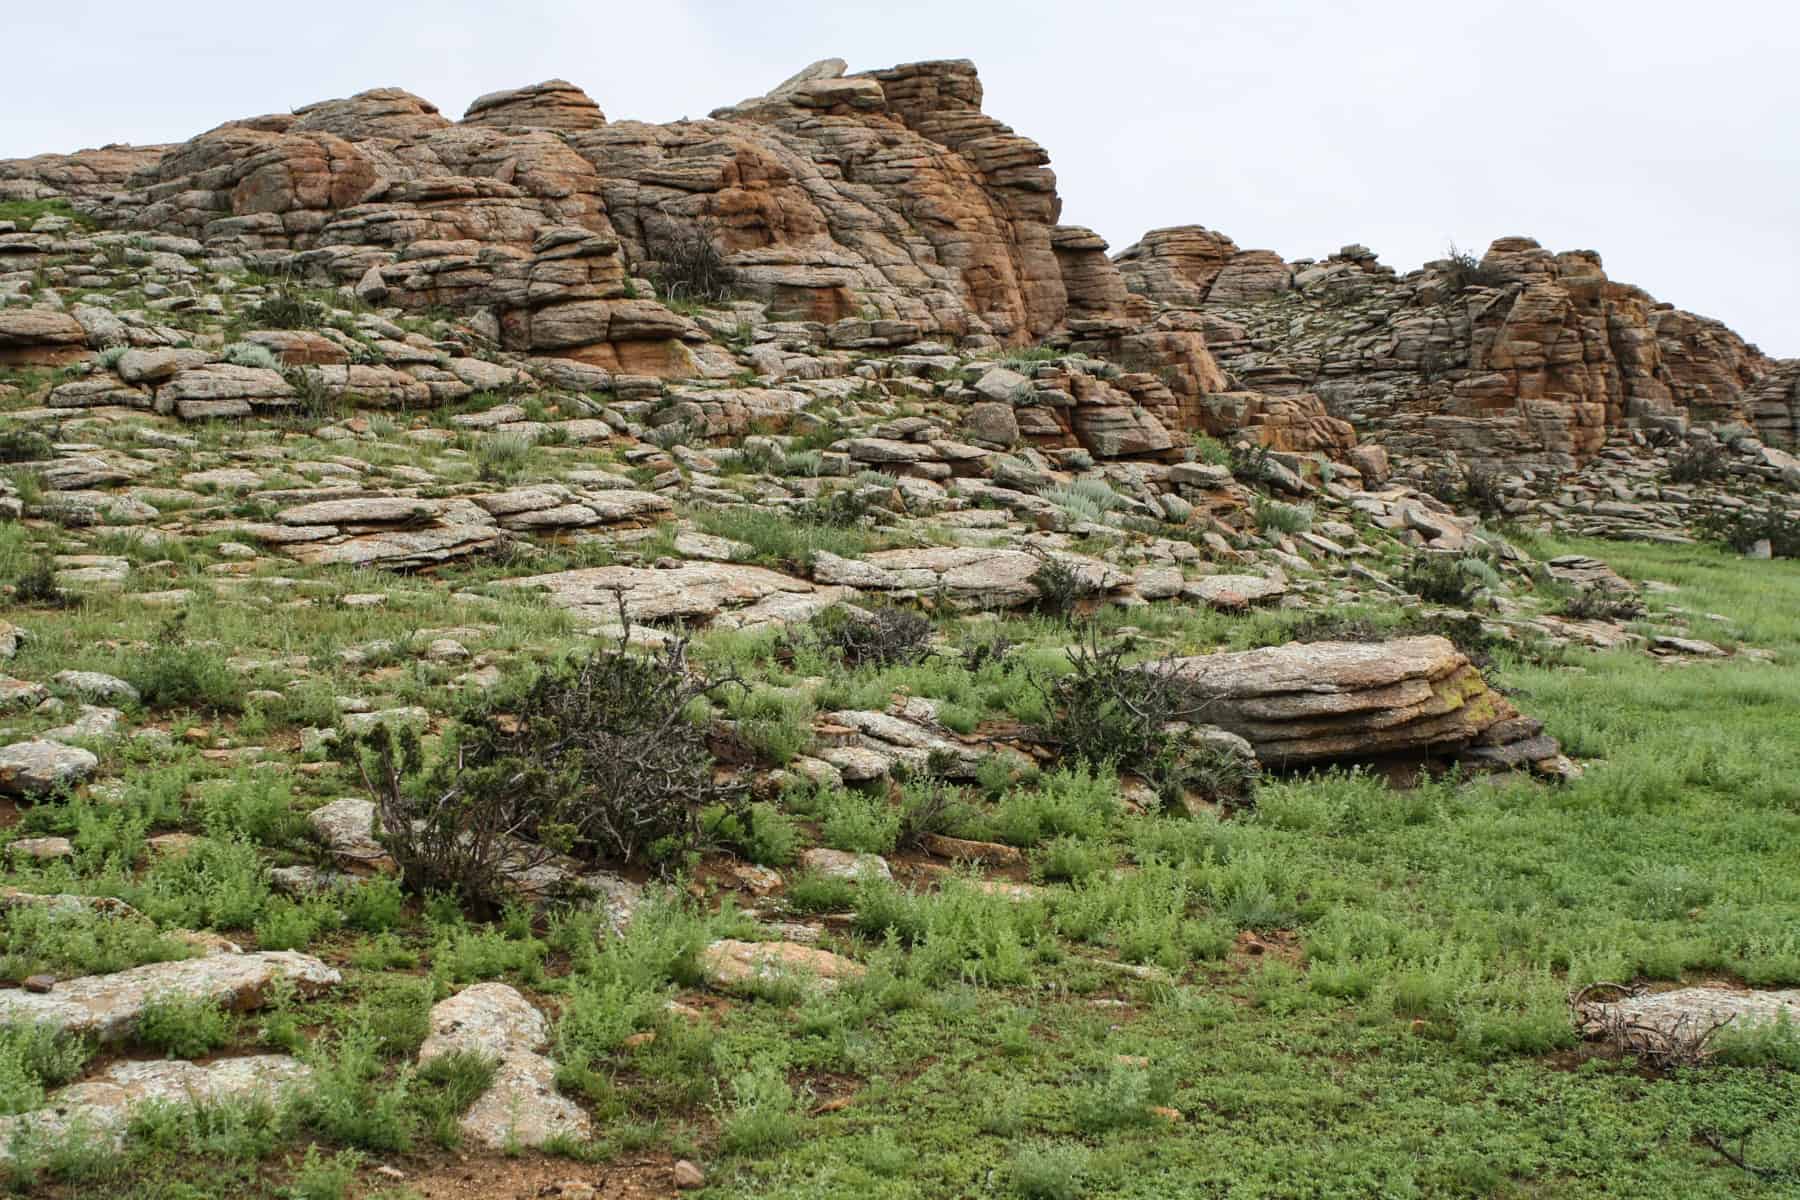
(1446, 928)
(1403, 1034)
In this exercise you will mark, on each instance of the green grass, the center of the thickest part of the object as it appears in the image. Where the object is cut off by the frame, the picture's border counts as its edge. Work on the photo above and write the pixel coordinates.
(1403, 1033)
(26, 212)
(781, 539)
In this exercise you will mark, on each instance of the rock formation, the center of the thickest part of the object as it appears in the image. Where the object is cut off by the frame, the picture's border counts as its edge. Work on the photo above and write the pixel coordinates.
(888, 207)
(1527, 357)
(1306, 703)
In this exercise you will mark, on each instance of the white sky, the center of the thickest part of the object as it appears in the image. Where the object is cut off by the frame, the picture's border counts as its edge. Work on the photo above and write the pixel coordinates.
(1664, 135)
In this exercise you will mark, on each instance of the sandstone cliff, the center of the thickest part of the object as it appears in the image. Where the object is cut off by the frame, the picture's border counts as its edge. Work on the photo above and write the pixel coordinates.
(1526, 357)
(888, 209)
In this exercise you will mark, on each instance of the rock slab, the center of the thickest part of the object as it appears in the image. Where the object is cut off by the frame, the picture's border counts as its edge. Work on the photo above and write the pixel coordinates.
(521, 1107)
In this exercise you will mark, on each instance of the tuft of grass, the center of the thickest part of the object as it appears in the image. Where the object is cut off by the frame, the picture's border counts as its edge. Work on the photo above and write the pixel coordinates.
(184, 1026)
(1273, 516)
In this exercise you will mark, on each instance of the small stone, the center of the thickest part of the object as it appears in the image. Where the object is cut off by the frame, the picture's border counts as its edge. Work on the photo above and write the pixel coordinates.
(687, 1176)
(40, 984)
(34, 768)
(42, 847)
(842, 864)
(446, 650)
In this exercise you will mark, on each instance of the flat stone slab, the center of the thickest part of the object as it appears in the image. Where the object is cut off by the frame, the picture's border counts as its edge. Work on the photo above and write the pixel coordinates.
(1233, 591)
(522, 1106)
(96, 686)
(1308, 702)
(968, 576)
(731, 965)
(104, 1105)
(107, 1007)
(1680, 1021)
(693, 591)
(347, 827)
(36, 767)
(964, 850)
(843, 864)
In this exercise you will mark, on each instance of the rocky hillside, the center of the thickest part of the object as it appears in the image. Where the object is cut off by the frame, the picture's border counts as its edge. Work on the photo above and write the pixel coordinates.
(885, 208)
(552, 658)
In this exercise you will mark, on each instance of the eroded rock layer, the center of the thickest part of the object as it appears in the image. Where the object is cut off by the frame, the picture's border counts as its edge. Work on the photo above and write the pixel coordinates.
(886, 210)
(1526, 357)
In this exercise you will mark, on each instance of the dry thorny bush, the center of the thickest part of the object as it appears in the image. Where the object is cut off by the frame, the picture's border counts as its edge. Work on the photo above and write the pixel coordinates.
(1684, 1043)
(598, 758)
(1138, 718)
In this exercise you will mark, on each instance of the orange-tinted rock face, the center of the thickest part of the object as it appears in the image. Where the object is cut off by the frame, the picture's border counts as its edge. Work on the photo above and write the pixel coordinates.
(553, 104)
(1533, 360)
(889, 205)
(887, 196)
(86, 173)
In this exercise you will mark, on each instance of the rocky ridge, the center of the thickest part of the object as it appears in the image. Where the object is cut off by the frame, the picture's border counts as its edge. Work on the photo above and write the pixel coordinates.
(399, 383)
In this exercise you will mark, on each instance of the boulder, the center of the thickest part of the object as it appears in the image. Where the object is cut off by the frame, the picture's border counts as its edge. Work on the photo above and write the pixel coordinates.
(102, 1107)
(736, 966)
(1314, 702)
(1681, 1022)
(40, 337)
(1233, 591)
(842, 864)
(521, 1107)
(347, 828)
(38, 767)
(692, 591)
(107, 1007)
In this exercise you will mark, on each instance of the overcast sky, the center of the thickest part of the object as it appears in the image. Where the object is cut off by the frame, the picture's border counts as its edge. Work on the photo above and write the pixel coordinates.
(1664, 135)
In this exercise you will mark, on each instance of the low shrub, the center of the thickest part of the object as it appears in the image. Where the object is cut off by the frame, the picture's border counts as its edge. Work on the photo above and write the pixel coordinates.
(1272, 516)
(1062, 587)
(1253, 466)
(689, 266)
(761, 832)
(839, 508)
(599, 758)
(177, 673)
(880, 637)
(1133, 717)
(1462, 270)
(312, 393)
(21, 444)
(502, 457)
(1476, 487)
(761, 1115)
(1049, 1172)
(36, 585)
(1460, 581)
(183, 1026)
(1698, 462)
(1596, 603)
(284, 308)
(772, 723)
(250, 354)
(33, 1059)
(865, 824)
(1743, 528)
(1084, 500)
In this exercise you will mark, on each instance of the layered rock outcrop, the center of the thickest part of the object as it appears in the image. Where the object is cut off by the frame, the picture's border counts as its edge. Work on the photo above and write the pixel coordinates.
(1526, 357)
(887, 209)
(887, 195)
(1313, 702)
